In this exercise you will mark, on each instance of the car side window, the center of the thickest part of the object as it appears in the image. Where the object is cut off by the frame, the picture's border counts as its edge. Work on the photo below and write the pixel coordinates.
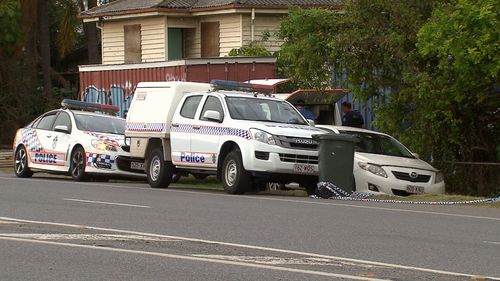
(64, 120)
(189, 107)
(213, 104)
(46, 121)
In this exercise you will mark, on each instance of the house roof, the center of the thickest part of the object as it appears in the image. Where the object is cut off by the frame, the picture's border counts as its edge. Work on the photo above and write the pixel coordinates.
(134, 6)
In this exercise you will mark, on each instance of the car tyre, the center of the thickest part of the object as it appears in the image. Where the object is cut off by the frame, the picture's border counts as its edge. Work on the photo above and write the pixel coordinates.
(78, 164)
(21, 168)
(159, 172)
(235, 178)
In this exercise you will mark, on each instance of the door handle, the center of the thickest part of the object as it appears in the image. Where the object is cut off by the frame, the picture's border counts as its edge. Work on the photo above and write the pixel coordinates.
(49, 136)
(175, 125)
(196, 127)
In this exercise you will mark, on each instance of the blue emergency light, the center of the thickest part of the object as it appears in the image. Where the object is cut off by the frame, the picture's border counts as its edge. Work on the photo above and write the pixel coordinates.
(231, 86)
(88, 106)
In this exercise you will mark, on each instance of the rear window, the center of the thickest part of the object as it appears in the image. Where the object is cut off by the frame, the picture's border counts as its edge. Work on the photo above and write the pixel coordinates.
(189, 107)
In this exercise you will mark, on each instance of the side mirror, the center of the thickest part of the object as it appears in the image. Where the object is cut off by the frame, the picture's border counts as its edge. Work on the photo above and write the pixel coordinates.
(61, 129)
(311, 122)
(212, 115)
(416, 155)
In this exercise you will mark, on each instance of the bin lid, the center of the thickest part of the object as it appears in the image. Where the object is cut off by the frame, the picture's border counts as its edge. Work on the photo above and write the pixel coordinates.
(336, 137)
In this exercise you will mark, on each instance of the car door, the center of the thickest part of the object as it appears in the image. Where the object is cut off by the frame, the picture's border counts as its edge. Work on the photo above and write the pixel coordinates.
(182, 128)
(207, 132)
(61, 139)
(40, 144)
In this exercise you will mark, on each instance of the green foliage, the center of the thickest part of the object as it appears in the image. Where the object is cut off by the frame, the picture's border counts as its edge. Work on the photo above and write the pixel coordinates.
(252, 50)
(436, 63)
(307, 55)
(10, 14)
(66, 25)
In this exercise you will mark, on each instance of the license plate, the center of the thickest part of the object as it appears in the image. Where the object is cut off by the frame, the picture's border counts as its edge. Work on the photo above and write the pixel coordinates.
(137, 165)
(414, 189)
(304, 168)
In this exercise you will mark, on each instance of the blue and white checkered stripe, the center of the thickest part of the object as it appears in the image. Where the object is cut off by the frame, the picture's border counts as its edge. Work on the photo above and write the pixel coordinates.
(146, 127)
(30, 139)
(209, 130)
(98, 158)
(338, 193)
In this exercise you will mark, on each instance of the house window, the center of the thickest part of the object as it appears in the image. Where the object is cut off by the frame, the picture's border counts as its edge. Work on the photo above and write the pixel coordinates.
(132, 43)
(210, 39)
(175, 44)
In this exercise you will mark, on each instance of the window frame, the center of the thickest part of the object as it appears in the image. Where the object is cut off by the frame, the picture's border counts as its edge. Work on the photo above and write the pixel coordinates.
(196, 109)
(55, 113)
(205, 104)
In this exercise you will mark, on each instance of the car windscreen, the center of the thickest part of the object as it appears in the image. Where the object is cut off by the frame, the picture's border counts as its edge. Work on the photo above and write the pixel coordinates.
(265, 110)
(378, 144)
(100, 124)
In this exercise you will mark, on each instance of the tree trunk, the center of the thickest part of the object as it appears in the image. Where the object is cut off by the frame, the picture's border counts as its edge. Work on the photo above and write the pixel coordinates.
(44, 33)
(92, 35)
(28, 54)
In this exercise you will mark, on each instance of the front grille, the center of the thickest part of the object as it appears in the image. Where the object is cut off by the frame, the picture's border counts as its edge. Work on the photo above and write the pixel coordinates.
(299, 159)
(406, 177)
(296, 143)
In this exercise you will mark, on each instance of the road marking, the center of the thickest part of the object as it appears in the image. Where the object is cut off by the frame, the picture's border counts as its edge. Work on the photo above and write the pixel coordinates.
(492, 242)
(193, 258)
(314, 202)
(287, 261)
(106, 203)
(84, 237)
(398, 266)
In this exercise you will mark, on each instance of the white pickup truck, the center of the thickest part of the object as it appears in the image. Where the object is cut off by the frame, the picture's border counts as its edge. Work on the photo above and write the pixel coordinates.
(224, 128)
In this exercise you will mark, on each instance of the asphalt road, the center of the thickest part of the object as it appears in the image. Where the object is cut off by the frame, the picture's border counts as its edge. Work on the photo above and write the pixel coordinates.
(55, 229)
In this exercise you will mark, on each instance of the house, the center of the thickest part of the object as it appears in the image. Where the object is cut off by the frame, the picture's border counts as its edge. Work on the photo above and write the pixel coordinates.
(184, 40)
(135, 31)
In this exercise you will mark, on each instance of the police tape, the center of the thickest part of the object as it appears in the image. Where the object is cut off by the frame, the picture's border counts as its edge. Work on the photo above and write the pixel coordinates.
(328, 190)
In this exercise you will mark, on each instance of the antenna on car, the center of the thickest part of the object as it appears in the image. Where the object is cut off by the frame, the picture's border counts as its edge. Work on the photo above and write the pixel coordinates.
(88, 106)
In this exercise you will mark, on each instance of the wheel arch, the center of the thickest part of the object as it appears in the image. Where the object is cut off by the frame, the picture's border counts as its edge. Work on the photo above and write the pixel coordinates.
(227, 147)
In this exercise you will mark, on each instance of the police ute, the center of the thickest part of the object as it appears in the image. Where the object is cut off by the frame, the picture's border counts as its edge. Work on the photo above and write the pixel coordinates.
(80, 139)
(233, 130)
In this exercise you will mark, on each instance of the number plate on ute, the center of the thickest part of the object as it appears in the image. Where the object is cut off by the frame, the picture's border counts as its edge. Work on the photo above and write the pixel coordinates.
(304, 168)
(414, 189)
(137, 165)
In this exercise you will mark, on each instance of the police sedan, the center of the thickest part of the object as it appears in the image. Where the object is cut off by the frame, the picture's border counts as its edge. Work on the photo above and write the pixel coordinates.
(382, 165)
(80, 139)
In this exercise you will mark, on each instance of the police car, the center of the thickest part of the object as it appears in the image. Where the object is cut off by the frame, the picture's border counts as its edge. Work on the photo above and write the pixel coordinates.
(80, 139)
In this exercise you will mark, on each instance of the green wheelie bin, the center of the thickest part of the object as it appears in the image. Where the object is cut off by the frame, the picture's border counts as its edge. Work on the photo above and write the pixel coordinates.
(336, 159)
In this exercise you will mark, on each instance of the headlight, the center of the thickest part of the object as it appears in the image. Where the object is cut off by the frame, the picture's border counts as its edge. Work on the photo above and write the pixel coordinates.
(101, 145)
(374, 169)
(262, 136)
(439, 177)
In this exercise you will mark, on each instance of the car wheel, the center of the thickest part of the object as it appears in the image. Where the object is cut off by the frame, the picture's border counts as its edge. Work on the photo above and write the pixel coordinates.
(273, 186)
(159, 172)
(78, 163)
(235, 178)
(200, 176)
(21, 163)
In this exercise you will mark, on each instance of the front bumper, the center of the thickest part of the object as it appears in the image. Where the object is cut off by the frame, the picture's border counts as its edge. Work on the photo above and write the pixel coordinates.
(106, 163)
(370, 183)
(280, 160)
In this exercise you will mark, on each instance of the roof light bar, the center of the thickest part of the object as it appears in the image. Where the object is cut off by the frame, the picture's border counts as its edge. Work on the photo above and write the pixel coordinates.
(238, 86)
(88, 106)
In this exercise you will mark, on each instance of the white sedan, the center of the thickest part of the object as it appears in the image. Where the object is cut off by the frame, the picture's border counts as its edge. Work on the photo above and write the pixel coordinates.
(73, 140)
(382, 165)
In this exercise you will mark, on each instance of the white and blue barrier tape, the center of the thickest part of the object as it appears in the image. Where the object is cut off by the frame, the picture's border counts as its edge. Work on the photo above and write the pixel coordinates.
(328, 190)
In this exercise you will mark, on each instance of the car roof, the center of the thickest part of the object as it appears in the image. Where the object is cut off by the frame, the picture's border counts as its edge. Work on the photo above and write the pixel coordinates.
(350, 129)
(81, 112)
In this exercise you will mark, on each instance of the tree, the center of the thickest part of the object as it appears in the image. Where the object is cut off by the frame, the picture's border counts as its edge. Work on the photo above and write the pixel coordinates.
(307, 56)
(44, 43)
(460, 83)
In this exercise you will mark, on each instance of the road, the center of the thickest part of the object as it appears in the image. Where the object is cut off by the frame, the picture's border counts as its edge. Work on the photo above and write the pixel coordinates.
(56, 229)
